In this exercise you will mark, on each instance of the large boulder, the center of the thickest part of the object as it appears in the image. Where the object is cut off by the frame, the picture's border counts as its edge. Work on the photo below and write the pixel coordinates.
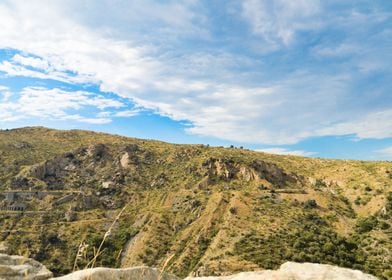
(18, 268)
(136, 273)
(21, 268)
(308, 271)
(297, 271)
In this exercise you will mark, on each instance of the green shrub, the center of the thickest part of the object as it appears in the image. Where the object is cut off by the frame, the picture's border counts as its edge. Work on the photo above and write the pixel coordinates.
(311, 241)
(233, 210)
(311, 203)
(368, 189)
(366, 224)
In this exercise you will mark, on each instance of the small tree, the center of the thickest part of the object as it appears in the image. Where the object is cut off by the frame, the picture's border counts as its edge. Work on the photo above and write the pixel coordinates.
(311, 203)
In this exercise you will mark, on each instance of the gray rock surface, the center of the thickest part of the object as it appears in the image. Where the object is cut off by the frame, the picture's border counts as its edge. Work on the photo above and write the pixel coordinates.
(297, 271)
(135, 273)
(21, 268)
(288, 271)
(18, 268)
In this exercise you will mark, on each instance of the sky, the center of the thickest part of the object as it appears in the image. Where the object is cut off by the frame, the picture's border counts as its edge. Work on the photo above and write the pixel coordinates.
(305, 77)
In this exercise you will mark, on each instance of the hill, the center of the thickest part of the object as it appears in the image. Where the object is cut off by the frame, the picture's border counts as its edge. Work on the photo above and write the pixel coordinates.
(192, 209)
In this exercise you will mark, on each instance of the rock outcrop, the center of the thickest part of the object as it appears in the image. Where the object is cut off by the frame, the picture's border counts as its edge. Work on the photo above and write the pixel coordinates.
(229, 169)
(21, 268)
(288, 271)
(297, 271)
(18, 268)
(273, 174)
(136, 273)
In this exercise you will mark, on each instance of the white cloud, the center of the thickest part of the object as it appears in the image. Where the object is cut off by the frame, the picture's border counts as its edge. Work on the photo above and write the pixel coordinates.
(74, 52)
(31, 61)
(55, 104)
(375, 125)
(5, 94)
(386, 152)
(284, 151)
(339, 50)
(41, 101)
(15, 69)
(128, 113)
(278, 21)
(281, 113)
(365, 46)
(79, 118)
(86, 47)
(158, 21)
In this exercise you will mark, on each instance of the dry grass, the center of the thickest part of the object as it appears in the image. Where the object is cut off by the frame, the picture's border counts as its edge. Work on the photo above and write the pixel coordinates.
(165, 265)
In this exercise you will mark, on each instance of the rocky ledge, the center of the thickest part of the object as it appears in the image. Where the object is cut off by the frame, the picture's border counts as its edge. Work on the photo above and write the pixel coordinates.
(16, 267)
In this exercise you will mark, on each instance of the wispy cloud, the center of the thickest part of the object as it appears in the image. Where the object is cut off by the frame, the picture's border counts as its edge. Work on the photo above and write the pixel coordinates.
(376, 125)
(342, 49)
(5, 93)
(284, 151)
(277, 22)
(128, 113)
(386, 152)
(55, 104)
(14, 68)
(34, 62)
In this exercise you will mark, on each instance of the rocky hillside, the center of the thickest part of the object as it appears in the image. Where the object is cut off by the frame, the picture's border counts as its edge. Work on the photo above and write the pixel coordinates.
(196, 210)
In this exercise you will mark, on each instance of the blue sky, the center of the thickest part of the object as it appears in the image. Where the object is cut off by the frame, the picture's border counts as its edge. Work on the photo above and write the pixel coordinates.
(302, 77)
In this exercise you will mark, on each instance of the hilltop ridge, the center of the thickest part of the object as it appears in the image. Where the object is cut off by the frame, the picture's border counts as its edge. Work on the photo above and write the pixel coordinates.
(205, 210)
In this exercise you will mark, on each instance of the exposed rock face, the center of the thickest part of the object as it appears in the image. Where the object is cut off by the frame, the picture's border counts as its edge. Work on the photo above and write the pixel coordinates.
(228, 169)
(224, 169)
(124, 161)
(297, 271)
(20, 182)
(272, 173)
(22, 145)
(52, 170)
(18, 268)
(98, 152)
(21, 268)
(136, 273)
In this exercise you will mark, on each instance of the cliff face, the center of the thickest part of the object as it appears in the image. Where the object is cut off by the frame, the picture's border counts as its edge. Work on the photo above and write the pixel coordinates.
(196, 210)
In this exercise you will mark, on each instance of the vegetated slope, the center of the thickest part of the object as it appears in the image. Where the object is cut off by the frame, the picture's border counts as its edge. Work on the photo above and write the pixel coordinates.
(191, 208)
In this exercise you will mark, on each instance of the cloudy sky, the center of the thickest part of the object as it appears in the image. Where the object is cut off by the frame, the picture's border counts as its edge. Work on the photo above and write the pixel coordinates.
(303, 77)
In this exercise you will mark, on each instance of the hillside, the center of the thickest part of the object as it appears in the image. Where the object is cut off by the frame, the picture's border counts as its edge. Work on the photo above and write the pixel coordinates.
(191, 208)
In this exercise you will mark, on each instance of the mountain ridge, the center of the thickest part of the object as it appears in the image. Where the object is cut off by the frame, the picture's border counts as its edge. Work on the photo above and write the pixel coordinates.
(208, 210)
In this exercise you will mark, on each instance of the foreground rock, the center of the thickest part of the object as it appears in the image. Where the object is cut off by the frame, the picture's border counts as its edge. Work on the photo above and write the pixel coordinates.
(17, 267)
(288, 271)
(21, 268)
(136, 273)
(297, 271)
